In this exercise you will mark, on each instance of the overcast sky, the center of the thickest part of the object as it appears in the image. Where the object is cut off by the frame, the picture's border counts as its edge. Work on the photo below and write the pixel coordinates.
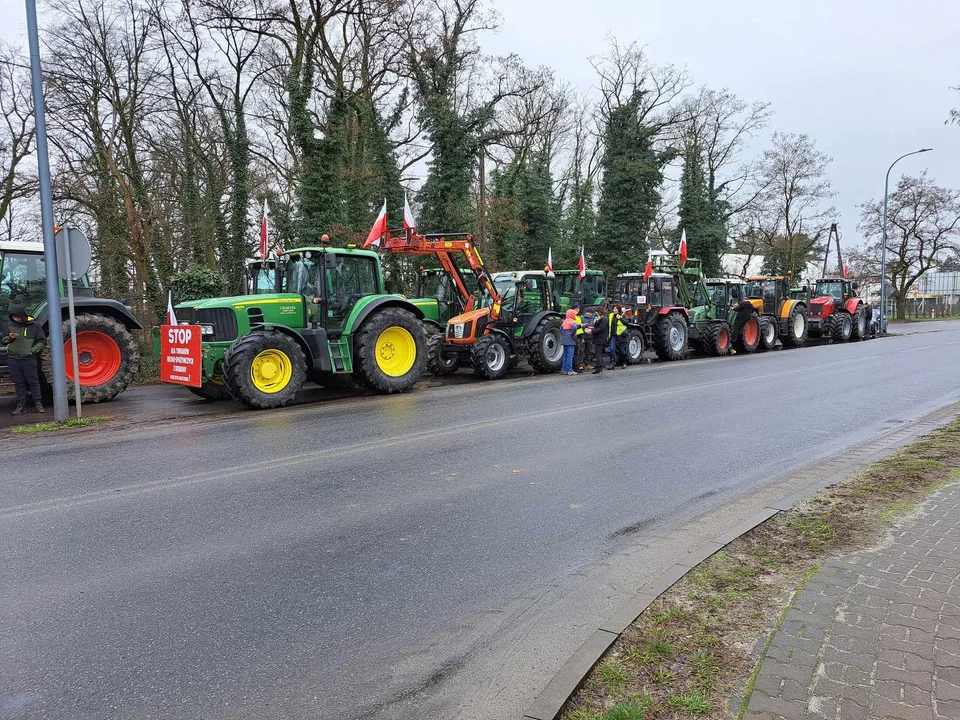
(867, 79)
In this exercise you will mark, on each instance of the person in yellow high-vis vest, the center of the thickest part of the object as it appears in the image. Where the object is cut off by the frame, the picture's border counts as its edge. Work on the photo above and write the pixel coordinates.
(578, 359)
(618, 336)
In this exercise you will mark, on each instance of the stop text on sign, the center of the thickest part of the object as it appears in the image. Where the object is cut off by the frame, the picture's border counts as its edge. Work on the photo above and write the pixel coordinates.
(180, 360)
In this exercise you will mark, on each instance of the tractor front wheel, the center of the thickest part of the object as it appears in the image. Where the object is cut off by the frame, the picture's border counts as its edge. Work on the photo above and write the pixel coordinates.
(716, 339)
(768, 332)
(545, 346)
(842, 327)
(108, 358)
(634, 347)
(441, 359)
(858, 330)
(749, 337)
(490, 357)
(797, 327)
(671, 337)
(390, 351)
(264, 369)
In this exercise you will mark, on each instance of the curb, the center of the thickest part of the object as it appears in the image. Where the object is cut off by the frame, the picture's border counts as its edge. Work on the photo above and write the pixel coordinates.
(551, 700)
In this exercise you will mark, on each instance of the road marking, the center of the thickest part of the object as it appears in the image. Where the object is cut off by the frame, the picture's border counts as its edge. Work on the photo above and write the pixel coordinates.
(126, 491)
(949, 343)
(922, 347)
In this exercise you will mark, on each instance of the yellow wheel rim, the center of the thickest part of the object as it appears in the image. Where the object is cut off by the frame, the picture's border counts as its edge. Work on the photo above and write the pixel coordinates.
(271, 371)
(396, 351)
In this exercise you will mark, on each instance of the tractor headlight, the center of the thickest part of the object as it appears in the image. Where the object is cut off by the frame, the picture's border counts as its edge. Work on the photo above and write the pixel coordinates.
(206, 329)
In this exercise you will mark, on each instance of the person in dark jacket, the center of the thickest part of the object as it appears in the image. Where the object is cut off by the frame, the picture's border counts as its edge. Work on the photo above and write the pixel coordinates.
(869, 319)
(25, 341)
(601, 339)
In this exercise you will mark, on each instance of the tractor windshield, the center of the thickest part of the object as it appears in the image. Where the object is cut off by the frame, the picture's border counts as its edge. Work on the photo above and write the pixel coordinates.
(300, 276)
(765, 289)
(718, 294)
(833, 289)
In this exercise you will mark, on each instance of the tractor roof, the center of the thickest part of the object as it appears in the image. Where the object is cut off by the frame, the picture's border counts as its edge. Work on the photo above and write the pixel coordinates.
(833, 279)
(724, 281)
(518, 274)
(21, 247)
(640, 275)
(577, 272)
(339, 250)
(767, 277)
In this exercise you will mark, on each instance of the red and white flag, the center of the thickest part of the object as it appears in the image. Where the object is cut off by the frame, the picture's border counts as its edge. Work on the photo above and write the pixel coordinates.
(409, 222)
(846, 271)
(378, 229)
(648, 270)
(171, 316)
(582, 264)
(263, 231)
(549, 259)
(683, 247)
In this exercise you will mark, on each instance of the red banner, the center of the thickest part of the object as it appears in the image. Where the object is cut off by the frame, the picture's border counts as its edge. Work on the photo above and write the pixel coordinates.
(180, 361)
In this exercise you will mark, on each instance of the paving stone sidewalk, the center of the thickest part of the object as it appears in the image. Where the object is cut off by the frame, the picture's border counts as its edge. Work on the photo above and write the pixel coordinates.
(875, 634)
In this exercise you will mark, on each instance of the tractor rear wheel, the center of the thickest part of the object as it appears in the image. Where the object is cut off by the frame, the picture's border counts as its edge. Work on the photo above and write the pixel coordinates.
(389, 351)
(671, 337)
(490, 357)
(441, 360)
(108, 355)
(768, 332)
(749, 337)
(797, 327)
(716, 339)
(213, 390)
(634, 347)
(264, 369)
(545, 346)
(859, 329)
(842, 327)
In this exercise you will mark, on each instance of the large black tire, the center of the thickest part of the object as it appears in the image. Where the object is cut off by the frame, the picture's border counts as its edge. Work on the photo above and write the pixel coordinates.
(826, 327)
(859, 329)
(716, 339)
(211, 391)
(768, 332)
(842, 327)
(441, 360)
(490, 357)
(798, 326)
(108, 354)
(634, 347)
(373, 351)
(545, 346)
(239, 369)
(748, 335)
(670, 338)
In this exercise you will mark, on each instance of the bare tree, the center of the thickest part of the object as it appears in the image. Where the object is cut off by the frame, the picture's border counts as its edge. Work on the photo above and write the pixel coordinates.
(17, 179)
(923, 223)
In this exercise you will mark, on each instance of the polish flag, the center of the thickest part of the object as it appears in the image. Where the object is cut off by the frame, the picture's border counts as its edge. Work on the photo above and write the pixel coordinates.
(263, 231)
(683, 247)
(648, 270)
(409, 222)
(378, 229)
(846, 270)
(582, 264)
(171, 316)
(550, 259)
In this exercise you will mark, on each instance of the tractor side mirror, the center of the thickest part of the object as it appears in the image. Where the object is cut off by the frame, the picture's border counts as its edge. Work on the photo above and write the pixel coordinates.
(855, 285)
(329, 260)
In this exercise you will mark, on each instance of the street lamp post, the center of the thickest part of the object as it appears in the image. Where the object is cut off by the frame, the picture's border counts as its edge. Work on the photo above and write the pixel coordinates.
(883, 251)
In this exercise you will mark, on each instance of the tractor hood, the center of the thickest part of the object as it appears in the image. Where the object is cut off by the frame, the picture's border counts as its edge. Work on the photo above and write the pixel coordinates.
(241, 301)
(756, 302)
(822, 300)
(470, 316)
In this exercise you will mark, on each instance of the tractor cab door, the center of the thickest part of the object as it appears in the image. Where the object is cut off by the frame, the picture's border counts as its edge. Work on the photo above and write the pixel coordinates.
(771, 301)
(347, 279)
(23, 281)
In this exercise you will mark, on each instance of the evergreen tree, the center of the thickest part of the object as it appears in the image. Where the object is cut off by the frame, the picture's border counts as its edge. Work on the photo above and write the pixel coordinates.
(629, 191)
(523, 215)
(578, 227)
(700, 215)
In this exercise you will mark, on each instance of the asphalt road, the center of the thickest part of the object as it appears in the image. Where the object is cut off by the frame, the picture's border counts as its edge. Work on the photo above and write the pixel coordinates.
(433, 555)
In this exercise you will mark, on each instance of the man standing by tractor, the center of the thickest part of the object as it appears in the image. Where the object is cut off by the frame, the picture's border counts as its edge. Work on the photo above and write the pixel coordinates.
(601, 339)
(24, 342)
(579, 354)
(617, 334)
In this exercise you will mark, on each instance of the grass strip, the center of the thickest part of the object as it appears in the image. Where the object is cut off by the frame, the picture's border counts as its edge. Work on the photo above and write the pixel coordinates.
(53, 426)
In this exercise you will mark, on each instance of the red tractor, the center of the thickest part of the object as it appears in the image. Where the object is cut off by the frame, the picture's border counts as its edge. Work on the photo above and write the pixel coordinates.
(836, 312)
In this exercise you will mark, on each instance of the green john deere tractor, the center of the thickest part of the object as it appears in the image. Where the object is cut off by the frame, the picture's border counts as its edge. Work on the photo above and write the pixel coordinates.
(589, 292)
(108, 353)
(329, 320)
(437, 298)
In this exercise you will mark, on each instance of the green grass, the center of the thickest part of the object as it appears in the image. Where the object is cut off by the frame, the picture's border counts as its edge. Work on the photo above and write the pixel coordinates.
(692, 703)
(52, 426)
(614, 675)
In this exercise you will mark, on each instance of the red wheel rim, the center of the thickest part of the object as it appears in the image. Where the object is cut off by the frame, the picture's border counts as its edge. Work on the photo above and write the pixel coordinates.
(751, 331)
(99, 358)
(723, 339)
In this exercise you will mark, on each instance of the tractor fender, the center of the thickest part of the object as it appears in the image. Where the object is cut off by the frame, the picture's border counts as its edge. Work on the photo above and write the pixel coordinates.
(312, 354)
(852, 305)
(677, 308)
(535, 320)
(363, 310)
(434, 326)
(787, 307)
(95, 306)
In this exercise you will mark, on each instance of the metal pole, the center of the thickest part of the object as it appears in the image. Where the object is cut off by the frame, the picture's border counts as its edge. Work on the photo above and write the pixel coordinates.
(73, 319)
(61, 408)
(883, 251)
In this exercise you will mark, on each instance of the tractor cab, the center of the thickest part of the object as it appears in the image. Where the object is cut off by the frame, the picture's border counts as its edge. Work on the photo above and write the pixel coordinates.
(840, 289)
(437, 295)
(524, 294)
(645, 297)
(588, 291)
(725, 293)
(259, 276)
(767, 293)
